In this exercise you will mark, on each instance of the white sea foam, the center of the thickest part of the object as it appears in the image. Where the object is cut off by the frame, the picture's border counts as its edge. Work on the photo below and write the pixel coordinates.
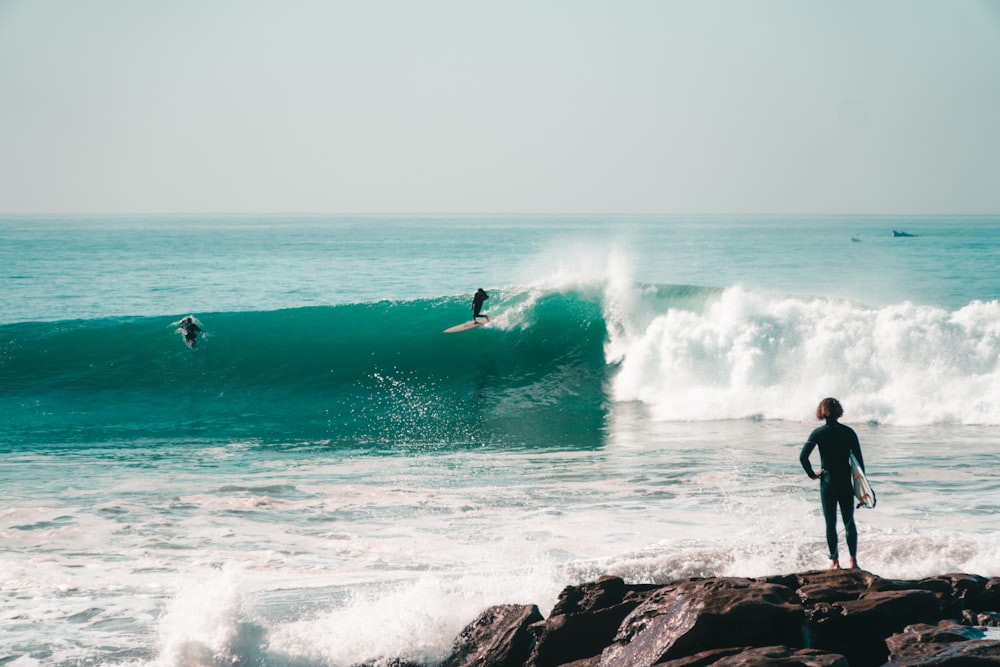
(742, 353)
(370, 557)
(206, 625)
(413, 620)
(751, 354)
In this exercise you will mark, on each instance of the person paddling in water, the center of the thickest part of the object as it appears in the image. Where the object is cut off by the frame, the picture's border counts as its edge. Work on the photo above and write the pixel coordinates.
(836, 443)
(189, 327)
(477, 304)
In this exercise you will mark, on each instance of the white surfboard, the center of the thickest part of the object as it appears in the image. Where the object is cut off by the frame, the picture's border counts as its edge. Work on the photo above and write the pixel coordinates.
(862, 489)
(464, 326)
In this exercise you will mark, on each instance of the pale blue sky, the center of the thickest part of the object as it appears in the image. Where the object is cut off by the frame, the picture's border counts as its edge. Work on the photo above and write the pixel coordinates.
(506, 106)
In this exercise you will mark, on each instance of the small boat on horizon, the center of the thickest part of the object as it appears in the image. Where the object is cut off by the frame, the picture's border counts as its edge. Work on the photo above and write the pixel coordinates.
(898, 234)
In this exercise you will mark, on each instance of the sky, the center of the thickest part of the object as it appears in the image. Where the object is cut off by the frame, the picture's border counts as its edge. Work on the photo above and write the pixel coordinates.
(501, 106)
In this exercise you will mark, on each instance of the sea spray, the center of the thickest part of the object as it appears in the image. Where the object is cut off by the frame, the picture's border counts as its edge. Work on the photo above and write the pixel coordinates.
(414, 620)
(752, 354)
(206, 625)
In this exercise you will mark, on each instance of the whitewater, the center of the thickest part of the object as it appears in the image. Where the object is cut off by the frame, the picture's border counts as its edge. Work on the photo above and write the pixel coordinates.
(329, 479)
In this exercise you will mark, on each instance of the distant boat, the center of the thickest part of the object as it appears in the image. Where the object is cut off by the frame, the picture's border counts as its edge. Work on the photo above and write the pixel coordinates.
(856, 238)
(898, 234)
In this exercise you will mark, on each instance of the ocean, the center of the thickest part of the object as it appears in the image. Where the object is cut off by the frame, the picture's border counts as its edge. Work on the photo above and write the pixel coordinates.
(329, 479)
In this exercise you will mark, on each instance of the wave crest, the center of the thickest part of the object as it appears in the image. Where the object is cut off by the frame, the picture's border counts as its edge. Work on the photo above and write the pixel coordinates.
(750, 354)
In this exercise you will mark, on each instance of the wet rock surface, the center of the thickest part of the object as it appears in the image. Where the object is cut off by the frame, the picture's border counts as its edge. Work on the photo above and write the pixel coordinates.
(839, 618)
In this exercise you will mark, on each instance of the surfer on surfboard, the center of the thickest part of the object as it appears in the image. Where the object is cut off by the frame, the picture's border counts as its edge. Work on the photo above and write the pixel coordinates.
(477, 304)
(188, 326)
(836, 486)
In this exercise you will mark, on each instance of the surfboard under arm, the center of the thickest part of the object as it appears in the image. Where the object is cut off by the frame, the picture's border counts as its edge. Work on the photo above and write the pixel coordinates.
(862, 489)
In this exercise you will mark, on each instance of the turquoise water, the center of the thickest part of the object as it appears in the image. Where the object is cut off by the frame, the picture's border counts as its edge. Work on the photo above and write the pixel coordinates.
(67, 268)
(327, 461)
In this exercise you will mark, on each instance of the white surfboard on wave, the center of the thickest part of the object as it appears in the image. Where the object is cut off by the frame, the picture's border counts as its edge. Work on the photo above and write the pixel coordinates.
(465, 326)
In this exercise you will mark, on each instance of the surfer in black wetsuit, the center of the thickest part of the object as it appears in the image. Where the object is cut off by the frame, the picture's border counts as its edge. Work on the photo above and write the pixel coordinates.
(836, 443)
(477, 304)
(190, 329)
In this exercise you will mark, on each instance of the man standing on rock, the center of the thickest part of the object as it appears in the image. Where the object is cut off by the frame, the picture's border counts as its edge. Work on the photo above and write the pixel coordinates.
(836, 444)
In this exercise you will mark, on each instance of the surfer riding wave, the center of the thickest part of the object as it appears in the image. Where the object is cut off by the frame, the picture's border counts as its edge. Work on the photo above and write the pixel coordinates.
(477, 304)
(188, 326)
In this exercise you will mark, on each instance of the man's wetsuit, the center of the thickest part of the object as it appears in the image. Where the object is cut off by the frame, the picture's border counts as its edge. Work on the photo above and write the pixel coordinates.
(836, 442)
(191, 331)
(477, 303)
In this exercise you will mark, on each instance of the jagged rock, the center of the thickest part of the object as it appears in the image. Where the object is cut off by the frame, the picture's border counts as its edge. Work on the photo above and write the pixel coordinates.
(809, 619)
(600, 594)
(986, 619)
(946, 644)
(857, 628)
(678, 621)
(704, 658)
(955, 591)
(988, 598)
(499, 638)
(827, 585)
(584, 620)
(760, 657)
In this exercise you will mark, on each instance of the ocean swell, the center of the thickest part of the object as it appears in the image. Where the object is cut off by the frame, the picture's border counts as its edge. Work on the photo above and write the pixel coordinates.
(367, 374)
(544, 372)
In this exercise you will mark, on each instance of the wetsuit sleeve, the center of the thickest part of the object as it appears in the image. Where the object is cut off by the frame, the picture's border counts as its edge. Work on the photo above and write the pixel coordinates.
(804, 458)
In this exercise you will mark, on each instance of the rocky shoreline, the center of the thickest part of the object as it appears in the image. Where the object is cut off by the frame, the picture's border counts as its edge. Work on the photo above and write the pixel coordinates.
(838, 618)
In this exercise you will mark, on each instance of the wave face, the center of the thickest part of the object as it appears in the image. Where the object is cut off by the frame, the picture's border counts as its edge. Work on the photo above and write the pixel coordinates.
(545, 371)
(366, 374)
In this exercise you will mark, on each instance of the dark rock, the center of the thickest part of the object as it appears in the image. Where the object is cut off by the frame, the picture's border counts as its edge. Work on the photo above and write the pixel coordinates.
(499, 638)
(760, 657)
(857, 628)
(829, 585)
(986, 619)
(956, 591)
(586, 662)
(703, 658)
(584, 621)
(946, 644)
(989, 598)
(600, 594)
(881, 585)
(678, 621)
(812, 619)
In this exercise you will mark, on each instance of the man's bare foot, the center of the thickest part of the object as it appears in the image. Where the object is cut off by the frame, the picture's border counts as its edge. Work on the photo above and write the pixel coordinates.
(835, 564)
(854, 564)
